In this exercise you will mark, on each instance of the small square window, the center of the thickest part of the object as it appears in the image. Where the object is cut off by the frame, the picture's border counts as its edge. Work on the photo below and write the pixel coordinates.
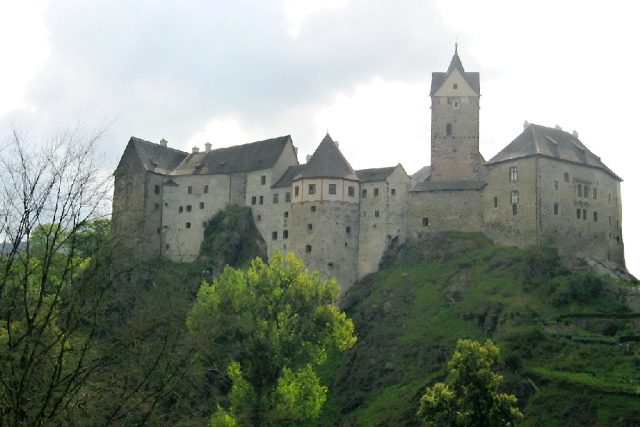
(180, 209)
(276, 196)
(351, 191)
(348, 229)
(313, 208)
(206, 189)
(307, 248)
(455, 85)
(376, 192)
(258, 217)
(190, 189)
(393, 191)
(201, 205)
(188, 225)
(287, 197)
(188, 208)
(312, 189)
(332, 188)
(263, 179)
(376, 214)
(274, 235)
(286, 214)
(309, 227)
(425, 222)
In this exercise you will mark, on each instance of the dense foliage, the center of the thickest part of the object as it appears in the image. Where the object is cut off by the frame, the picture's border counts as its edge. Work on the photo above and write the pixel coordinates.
(470, 396)
(267, 328)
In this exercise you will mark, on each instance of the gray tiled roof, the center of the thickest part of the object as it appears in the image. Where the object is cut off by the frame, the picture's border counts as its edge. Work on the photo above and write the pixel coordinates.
(421, 175)
(375, 174)
(288, 175)
(472, 79)
(240, 158)
(538, 140)
(327, 162)
(448, 185)
(155, 157)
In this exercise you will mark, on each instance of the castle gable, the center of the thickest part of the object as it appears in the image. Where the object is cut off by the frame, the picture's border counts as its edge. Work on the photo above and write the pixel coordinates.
(240, 158)
(538, 140)
(152, 157)
(288, 176)
(467, 83)
(375, 174)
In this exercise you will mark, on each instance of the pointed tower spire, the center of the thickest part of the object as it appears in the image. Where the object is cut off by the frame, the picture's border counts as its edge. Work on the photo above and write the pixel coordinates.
(455, 61)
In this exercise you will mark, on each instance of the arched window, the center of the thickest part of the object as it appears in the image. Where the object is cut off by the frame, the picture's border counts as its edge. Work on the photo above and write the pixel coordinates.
(449, 129)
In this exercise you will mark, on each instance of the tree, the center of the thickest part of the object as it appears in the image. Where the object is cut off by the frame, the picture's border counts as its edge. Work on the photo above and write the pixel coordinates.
(267, 328)
(56, 290)
(470, 395)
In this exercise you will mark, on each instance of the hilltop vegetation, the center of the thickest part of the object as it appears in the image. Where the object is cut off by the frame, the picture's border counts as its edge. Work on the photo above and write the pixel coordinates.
(568, 338)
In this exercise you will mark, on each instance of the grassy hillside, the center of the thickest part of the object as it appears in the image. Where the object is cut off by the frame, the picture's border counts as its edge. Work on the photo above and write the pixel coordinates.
(568, 338)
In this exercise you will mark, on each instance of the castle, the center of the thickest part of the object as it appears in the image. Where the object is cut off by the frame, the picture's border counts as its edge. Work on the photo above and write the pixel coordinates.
(545, 187)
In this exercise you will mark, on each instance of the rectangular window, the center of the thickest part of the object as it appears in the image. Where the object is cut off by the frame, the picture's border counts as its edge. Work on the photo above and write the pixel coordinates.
(285, 234)
(313, 208)
(578, 213)
(515, 197)
(309, 227)
(206, 189)
(595, 193)
(188, 208)
(351, 191)
(555, 185)
(375, 192)
(180, 209)
(262, 200)
(348, 229)
(495, 202)
(584, 214)
(586, 191)
(376, 214)
(514, 209)
(425, 222)
(312, 189)
(556, 209)
(156, 189)
(188, 225)
(201, 205)
(156, 206)
(566, 177)
(595, 216)
(274, 235)
(253, 200)
(297, 191)
(332, 189)
(190, 190)
(609, 198)
(276, 196)
(364, 192)
(287, 197)
(579, 190)
(263, 179)
(307, 248)
(393, 191)
(513, 173)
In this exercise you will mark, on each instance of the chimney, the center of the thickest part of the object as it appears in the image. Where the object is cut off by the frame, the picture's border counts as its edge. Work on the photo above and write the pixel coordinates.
(558, 127)
(195, 150)
(163, 142)
(526, 124)
(207, 147)
(575, 133)
(308, 157)
(337, 143)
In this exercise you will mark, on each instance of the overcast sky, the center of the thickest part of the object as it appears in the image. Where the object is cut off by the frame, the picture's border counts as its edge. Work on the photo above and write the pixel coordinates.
(231, 72)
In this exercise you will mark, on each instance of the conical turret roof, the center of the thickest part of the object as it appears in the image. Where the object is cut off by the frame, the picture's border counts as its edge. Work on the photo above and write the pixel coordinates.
(438, 79)
(327, 162)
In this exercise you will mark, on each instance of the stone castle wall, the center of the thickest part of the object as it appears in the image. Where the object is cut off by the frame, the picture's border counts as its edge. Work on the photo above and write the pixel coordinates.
(436, 211)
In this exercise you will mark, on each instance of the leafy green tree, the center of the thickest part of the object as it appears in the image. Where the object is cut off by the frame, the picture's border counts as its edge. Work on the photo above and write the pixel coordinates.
(470, 396)
(267, 328)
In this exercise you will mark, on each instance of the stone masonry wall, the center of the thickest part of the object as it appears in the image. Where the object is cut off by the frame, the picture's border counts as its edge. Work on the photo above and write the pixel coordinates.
(435, 211)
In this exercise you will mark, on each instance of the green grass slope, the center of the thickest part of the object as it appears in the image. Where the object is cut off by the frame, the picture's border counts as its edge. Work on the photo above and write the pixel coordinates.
(568, 338)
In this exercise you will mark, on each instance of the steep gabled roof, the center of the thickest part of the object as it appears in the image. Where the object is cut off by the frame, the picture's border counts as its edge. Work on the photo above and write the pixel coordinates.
(240, 158)
(155, 157)
(472, 79)
(375, 174)
(327, 162)
(288, 175)
(538, 140)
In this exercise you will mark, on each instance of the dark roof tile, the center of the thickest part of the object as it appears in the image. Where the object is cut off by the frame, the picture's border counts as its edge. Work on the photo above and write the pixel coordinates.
(327, 162)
